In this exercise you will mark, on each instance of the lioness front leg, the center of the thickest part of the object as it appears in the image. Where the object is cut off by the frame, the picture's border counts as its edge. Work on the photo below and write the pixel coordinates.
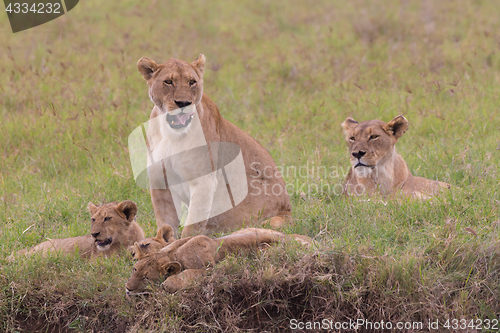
(200, 204)
(165, 209)
(181, 280)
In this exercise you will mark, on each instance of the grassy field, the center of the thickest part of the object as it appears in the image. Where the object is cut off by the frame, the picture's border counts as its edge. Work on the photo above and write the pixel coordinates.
(288, 74)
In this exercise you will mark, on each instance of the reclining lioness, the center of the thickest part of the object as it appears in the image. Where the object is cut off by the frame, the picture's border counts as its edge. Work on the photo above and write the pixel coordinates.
(187, 258)
(375, 165)
(113, 228)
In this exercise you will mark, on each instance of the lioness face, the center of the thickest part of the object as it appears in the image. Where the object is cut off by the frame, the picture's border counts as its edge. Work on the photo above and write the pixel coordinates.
(372, 143)
(149, 270)
(109, 221)
(175, 87)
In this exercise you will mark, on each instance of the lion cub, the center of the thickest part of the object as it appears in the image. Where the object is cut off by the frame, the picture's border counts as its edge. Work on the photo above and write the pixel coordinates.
(113, 227)
(376, 167)
(164, 236)
(185, 259)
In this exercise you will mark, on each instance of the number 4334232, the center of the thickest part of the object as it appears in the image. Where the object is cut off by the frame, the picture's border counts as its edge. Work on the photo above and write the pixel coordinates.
(36, 8)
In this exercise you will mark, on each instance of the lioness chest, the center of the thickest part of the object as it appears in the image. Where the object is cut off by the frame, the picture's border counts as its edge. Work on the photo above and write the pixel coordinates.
(185, 157)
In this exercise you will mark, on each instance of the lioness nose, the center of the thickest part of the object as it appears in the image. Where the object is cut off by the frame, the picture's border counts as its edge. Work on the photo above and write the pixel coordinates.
(182, 104)
(95, 234)
(359, 154)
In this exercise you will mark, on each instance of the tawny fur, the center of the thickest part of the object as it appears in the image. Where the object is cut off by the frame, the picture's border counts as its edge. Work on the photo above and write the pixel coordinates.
(185, 83)
(115, 220)
(375, 165)
(164, 236)
(187, 258)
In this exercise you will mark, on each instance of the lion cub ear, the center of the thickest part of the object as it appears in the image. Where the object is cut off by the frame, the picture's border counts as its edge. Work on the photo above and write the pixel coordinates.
(199, 64)
(349, 124)
(92, 208)
(127, 208)
(133, 250)
(166, 233)
(171, 268)
(397, 126)
(147, 67)
(137, 251)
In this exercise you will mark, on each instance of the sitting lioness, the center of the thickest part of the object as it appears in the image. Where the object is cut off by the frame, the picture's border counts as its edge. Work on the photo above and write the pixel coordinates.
(375, 165)
(185, 125)
(113, 228)
(187, 258)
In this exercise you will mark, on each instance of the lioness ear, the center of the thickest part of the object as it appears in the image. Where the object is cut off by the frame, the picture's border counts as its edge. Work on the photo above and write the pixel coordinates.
(171, 268)
(92, 208)
(127, 208)
(199, 64)
(397, 126)
(349, 124)
(166, 233)
(147, 67)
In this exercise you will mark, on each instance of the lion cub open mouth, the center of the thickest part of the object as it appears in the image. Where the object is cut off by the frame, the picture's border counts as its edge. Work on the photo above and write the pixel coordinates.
(180, 119)
(105, 244)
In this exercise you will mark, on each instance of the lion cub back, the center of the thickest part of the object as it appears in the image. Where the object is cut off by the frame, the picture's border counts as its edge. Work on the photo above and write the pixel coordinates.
(81, 245)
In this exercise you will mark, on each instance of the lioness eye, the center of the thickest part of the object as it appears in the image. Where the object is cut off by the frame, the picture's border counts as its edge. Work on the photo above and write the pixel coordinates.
(93, 220)
(107, 218)
(191, 82)
(372, 137)
(352, 138)
(168, 81)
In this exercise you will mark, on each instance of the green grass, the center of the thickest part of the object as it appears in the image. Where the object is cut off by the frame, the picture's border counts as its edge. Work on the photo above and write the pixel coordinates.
(288, 74)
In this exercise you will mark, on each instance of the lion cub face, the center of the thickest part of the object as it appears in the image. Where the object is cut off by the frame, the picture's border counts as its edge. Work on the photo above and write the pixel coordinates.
(371, 143)
(150, 270)
(175, 87)
(141, 249)
(110, 222)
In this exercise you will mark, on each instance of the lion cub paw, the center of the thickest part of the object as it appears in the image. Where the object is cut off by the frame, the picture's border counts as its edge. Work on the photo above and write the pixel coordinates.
(182, 280)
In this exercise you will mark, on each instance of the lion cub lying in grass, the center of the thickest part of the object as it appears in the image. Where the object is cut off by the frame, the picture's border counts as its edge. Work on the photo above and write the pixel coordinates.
(113, 227)
(185, 259)
(376, 167)
(165, 236)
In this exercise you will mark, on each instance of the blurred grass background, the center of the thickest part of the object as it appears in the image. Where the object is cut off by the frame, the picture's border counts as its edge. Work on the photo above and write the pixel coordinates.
(287, 73)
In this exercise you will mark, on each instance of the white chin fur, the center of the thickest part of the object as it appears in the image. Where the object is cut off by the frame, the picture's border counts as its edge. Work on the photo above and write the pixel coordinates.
(363, 172)
(104, 248)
